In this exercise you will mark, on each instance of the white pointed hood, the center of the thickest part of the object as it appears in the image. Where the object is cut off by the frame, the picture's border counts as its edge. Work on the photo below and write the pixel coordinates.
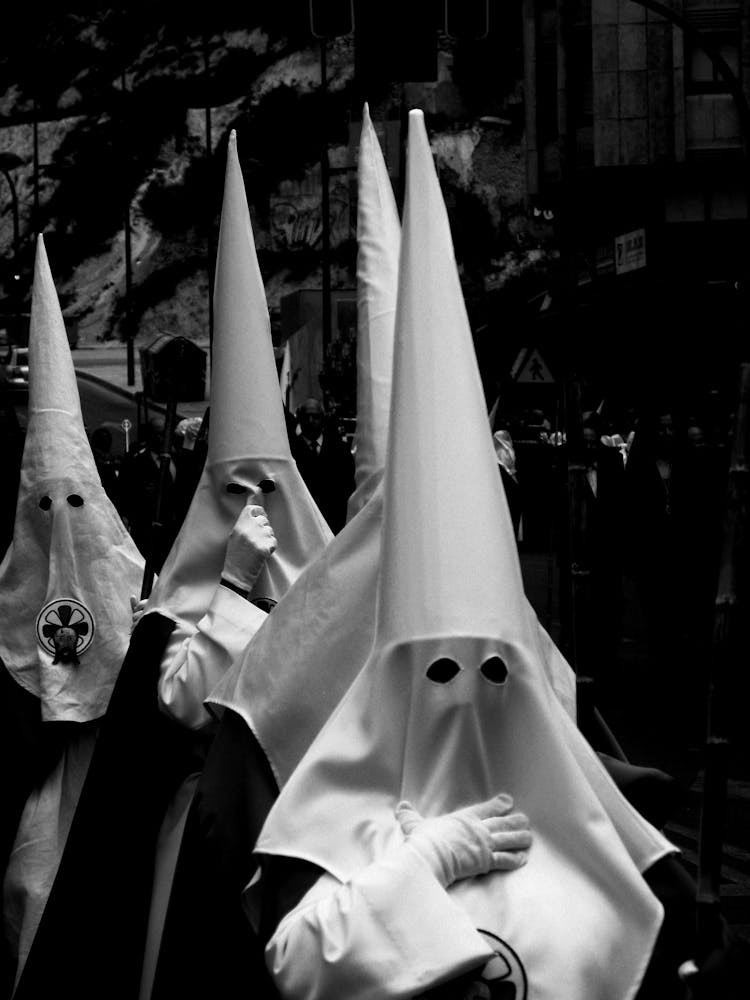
(301, 662)
(379, 239)
(247, 438)
(67, 577)
(454, 704)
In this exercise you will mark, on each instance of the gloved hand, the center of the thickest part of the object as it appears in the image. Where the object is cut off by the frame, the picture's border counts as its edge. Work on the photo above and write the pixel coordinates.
(472, 841)
(250, 544)
(137, 607)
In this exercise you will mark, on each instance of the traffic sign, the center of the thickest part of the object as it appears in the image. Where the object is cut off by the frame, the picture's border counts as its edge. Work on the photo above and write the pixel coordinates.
(531, 368)
(630, 251)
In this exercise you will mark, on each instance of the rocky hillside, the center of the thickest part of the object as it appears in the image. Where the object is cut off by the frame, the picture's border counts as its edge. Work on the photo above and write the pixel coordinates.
(133, 109)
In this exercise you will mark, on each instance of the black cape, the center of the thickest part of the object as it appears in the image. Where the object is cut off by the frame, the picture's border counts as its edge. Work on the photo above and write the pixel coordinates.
(205, 916)
(91, 937)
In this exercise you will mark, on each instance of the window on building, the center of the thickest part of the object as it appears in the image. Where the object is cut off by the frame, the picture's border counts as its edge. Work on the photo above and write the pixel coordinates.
(703, 75)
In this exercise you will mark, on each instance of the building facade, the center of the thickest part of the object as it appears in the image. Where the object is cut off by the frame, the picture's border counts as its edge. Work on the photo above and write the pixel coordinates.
(637, 129)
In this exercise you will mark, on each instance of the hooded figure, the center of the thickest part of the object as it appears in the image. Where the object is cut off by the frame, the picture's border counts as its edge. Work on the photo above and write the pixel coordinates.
(237, 788)
(453, 706)
(65, 586)
(199, 617)
(301, 662)
(248, 461)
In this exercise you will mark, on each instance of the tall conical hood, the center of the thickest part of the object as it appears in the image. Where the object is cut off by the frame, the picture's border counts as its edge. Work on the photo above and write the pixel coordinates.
(247, 438)
(435, 535)
(308, 652)
(247, 418)
(54, 405)
(299, 664)
(379, 238)
(454, 703)
(67, 577)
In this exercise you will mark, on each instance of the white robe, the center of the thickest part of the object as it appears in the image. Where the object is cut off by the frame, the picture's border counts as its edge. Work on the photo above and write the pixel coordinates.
(391, 932)
(39, 844)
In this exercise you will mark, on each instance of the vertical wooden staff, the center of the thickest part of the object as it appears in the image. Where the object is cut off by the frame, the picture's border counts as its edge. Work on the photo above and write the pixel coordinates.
(165, 457)
(726, 661)
(577, 574)
(575, 578)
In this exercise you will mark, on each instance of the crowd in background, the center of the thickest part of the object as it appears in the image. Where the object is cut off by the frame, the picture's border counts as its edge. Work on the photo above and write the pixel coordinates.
(651, 511)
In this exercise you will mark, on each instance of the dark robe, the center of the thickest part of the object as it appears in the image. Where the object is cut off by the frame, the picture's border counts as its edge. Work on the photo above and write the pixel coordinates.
(205, 917)
(90, 941)
(137, 496)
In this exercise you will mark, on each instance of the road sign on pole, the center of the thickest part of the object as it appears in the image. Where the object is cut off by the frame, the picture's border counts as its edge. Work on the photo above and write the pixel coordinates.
(531, 368)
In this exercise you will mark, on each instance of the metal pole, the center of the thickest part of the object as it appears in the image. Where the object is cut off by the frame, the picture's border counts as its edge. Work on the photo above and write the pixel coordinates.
(209, 220)
(35, 147)
(325, 205)
(16, 227)
(157, 525)
(129, 333)
(727, 661)
(16, 281)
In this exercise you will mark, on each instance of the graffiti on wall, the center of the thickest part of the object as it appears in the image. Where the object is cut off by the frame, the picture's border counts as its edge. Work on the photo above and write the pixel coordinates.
(296, 214)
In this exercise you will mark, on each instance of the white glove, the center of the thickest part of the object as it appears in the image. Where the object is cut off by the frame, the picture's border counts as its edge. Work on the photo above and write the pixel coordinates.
(250, 544)
(137, 607)
(472, 841)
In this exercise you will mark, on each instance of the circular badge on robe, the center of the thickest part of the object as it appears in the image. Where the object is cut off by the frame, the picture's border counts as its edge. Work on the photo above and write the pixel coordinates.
(503, 977)
(65, 629)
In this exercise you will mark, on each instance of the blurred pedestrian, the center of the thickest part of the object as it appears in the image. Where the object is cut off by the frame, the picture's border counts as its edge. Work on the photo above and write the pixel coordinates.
(11, 450)
(603, 514)
(106, 464)
(325, 462)
(506, 462)
(138, 489)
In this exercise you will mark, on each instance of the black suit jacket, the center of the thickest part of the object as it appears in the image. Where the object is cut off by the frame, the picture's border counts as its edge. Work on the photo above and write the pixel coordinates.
(329, 475)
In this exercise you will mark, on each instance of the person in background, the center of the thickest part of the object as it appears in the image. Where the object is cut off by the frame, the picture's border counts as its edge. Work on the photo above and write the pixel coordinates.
(106, 464)
(603, 502)
(325, 463)
(506, 462)
(138, 490)
(652, 550)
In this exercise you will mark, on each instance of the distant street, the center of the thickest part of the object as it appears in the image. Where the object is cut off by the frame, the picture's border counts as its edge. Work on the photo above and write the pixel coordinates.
(100, 405)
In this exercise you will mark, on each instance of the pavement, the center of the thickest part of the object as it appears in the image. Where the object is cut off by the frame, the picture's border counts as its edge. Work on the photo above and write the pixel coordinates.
(106, 364)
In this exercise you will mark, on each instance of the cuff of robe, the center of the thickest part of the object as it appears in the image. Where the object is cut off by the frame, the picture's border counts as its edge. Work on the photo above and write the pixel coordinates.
(391, 932)
(200, 660)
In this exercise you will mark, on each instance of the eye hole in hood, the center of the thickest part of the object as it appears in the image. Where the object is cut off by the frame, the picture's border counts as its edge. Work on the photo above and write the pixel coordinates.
(75, 500)
(237, 488)
(45, 503)
(443, 671)
(494, 671)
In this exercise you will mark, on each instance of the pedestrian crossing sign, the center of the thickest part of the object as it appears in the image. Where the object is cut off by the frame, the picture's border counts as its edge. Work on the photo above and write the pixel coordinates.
(531, 368)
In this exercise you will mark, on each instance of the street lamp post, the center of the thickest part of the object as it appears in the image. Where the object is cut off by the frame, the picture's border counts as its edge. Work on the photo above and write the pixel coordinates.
(8, 162)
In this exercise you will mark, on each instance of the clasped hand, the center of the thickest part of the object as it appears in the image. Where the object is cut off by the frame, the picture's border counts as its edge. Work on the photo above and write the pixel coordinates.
(250, 544)
(473, 841)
